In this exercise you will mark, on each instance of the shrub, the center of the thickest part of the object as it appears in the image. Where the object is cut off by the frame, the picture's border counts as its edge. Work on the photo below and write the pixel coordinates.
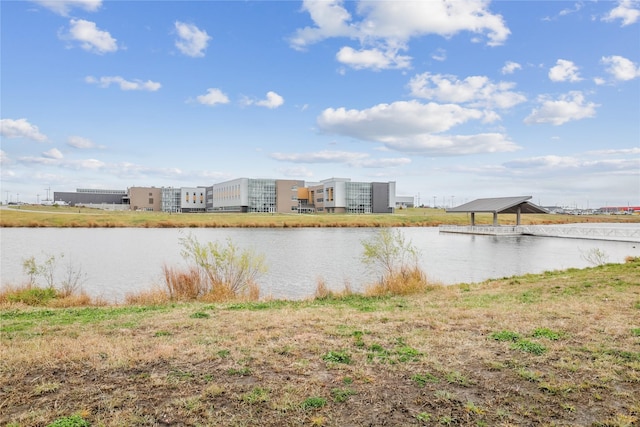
(227, 271)
(72, 421)
(396, 260)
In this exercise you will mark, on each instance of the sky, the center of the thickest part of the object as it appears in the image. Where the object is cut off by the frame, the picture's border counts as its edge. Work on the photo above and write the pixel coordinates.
(452, 100)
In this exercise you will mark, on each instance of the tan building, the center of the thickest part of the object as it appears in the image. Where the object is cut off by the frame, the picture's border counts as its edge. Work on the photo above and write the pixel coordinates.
(145, 199)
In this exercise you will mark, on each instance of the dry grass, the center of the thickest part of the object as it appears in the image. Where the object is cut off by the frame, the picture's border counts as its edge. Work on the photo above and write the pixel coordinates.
(406, 281)
(339, 361)
(39, 216)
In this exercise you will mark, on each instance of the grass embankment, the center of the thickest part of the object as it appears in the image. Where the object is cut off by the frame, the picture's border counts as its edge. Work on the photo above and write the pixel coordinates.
(559, 348)
(64, 216)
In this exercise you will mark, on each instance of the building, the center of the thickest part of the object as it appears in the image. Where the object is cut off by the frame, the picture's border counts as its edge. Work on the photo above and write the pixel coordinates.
(254, 195)
(341, 195)
(403, 202)
(92, 197)
(245, 195)
(145, 198)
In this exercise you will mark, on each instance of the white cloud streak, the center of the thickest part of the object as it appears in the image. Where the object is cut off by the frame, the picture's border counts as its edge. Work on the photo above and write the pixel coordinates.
(409, 126)
(191, 41)
(80, 142)
(568, 107)
(124, 84)
(510, 67)
(90, 37)
(273, 100)
(627, 11)
(63, 7)
(476, 91)
(20, 128)
(621, 68)
(212, 97)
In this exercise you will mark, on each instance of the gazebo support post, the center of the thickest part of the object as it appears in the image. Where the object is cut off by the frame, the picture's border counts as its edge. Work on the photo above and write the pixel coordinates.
(473, 219)
(518, 215)
(495, 219)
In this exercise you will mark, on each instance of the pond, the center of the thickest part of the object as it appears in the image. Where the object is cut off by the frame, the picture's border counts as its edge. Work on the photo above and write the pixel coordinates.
(117, 261)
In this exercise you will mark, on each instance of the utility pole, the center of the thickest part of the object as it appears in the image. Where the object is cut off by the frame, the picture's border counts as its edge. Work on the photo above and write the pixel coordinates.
(48, 190)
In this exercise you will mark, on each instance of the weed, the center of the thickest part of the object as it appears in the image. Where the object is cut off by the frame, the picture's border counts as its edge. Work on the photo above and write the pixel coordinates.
(446, 420)
(337, 357)
(342, 394)
(546, 333)
(162, 334)
(223, 354)
(423, 379)
(72, 421)
(594, 256)
(257, 395)
(347, 380)
(408, 354)
(313, 403)
(200, 315)
(473, 408)
(444, 395)
(529, 375)
(635, 332)
(455, 377)
(241, 372)
(424, 417)
(505, 336)
(529, 347)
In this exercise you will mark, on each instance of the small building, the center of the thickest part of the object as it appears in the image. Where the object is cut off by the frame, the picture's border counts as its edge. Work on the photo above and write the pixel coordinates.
(499, 205)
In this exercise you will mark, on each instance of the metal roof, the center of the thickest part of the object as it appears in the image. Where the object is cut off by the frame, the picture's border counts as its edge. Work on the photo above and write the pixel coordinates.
(499, 205)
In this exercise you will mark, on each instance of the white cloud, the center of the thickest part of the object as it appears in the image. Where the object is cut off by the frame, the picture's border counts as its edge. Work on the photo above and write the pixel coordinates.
(567, 107)
(4, 159)
(273, 100)
(80, 142)
(474, 90)
(54, 153)
(136, 84)
(63, 7)
(564, 71)
(628, 11)
(439, 55)
(331, 20)
(560, 165)
(615, 152)
(353, 159)
(214, 96)
(621, 68)
(90, 37)
(384, 28)
(510, 67)
(20, 128)
(325, 156)
(409, 126)
(192, 41)
(372, 58)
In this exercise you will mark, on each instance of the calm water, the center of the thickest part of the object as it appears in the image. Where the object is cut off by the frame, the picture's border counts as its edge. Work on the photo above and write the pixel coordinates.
(122, 260)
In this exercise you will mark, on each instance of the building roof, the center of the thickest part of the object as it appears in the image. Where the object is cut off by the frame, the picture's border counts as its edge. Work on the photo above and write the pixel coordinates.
(499, 205)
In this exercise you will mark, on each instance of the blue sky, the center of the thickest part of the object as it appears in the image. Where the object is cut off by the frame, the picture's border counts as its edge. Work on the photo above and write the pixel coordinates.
(452, 100)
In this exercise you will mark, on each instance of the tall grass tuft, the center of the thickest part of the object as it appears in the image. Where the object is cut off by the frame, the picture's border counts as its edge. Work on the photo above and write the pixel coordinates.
(406, 281)
(184, 284)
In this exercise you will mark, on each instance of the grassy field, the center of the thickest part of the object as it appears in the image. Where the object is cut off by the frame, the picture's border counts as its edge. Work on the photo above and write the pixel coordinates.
(64, 216)
(559, 348)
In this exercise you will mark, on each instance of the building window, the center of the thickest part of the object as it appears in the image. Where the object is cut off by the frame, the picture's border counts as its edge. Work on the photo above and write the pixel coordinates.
(150, 200)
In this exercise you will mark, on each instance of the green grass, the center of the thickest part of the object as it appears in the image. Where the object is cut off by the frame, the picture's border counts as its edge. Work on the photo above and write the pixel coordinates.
(505, 336)
(341, 395)
(529, 347)
(313, 403)
(337, 357)
(423, 379)
(72, 421)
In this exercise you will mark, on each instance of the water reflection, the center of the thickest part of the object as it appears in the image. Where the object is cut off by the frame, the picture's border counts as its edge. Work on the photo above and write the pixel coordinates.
(118, 261)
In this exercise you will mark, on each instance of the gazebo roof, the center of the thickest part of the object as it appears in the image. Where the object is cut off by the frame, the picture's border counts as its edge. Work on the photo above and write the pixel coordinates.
(500, 205)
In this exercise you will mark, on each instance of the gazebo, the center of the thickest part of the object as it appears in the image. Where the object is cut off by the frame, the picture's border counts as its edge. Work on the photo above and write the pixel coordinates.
(499, 205)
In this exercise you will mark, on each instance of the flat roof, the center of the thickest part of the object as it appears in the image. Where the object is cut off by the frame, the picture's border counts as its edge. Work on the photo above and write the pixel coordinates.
(499, 205)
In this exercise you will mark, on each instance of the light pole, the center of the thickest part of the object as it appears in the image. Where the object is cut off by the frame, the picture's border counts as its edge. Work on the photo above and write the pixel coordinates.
(434, 202)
